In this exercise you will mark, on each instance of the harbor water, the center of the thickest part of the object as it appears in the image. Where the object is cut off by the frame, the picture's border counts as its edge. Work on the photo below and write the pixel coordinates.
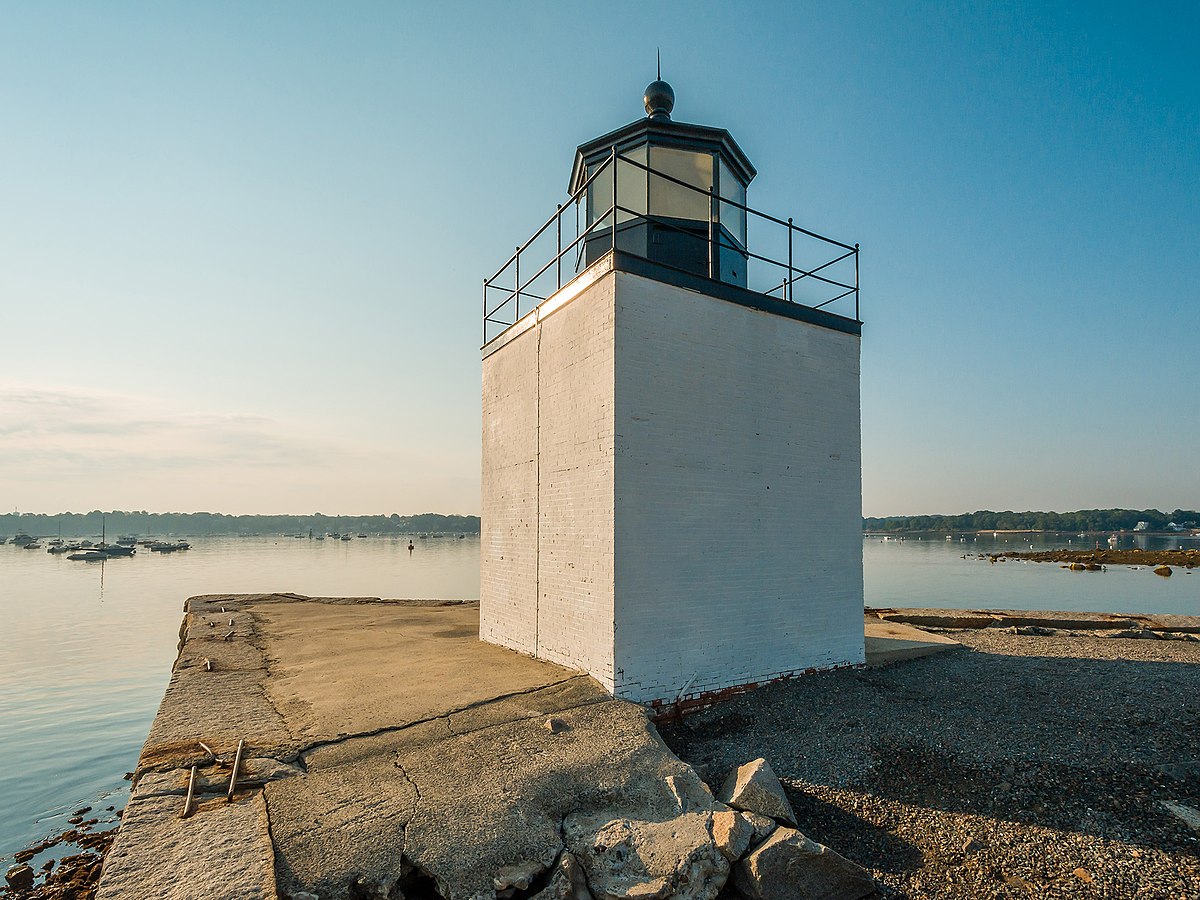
(87, 648)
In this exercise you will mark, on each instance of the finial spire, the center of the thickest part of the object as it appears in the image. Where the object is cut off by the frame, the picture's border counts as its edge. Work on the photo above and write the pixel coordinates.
(659, 98)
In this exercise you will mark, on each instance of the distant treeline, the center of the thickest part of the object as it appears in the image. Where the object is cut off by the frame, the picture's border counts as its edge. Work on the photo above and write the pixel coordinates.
(1083, 520)
(144, 523)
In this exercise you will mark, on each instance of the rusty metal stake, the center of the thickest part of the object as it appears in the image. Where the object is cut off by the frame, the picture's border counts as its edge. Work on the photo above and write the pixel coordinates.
(187, 803)
(237, 762)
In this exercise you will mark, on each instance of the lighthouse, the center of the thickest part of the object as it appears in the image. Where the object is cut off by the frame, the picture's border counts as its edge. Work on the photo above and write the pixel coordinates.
(671, 470)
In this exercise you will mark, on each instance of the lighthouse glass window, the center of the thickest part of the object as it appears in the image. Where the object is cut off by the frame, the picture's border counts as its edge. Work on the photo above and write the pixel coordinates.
(674, 201)
(631, 187)
(733, 217)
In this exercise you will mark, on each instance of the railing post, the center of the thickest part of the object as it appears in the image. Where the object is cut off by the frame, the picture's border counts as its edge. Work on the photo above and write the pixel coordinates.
(485, 310)
(856, 315)
(788, 292)
(517, 289)
(712, 214)
(558, 257)
(614, 206)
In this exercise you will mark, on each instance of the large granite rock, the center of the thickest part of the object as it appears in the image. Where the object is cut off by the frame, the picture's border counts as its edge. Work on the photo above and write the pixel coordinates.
(732, 832)
(755, 788)
(627, 859)
(789, 866)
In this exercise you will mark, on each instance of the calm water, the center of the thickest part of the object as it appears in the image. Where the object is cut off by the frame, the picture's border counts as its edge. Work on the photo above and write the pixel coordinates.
(931, 572)
(87, 648)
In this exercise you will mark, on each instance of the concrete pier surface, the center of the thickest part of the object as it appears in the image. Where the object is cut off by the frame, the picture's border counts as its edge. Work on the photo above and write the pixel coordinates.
(387, 752)
(889, 641)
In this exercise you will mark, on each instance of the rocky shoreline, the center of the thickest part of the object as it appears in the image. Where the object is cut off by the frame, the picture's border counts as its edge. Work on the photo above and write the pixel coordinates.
(74, 876)
(1185, 559)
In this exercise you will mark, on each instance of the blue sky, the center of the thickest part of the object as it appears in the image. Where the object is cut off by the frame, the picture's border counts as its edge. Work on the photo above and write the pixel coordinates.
(241, 245)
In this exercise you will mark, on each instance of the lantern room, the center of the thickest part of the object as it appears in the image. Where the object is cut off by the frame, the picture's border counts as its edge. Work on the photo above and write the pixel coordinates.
(677, 193)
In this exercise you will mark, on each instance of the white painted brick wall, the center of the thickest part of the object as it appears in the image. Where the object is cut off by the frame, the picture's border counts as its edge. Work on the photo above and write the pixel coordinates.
(738, 494)
(508, 531)
(546, 583)
(671, 491)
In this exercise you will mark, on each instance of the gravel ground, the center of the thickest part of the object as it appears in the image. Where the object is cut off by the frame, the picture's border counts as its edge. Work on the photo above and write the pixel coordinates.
(1020, 766)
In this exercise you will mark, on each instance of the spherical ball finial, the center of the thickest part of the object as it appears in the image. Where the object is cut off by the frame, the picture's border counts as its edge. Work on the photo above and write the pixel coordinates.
(659, 100)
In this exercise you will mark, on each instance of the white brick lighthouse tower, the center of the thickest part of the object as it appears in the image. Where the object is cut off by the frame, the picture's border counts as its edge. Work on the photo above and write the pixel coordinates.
(672, 492)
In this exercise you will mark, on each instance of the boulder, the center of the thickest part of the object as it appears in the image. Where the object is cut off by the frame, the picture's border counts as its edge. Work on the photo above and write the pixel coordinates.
(789, 866)
(626, 859)
(732, 833)
(754, 788)
(19, 878)
(1165, 571)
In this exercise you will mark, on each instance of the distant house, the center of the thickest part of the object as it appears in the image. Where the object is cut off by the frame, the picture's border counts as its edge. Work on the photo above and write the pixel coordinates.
(1171, 526)
(1142, 526)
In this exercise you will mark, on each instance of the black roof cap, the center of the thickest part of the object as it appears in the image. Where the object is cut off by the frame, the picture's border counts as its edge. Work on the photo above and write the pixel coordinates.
(662, 132)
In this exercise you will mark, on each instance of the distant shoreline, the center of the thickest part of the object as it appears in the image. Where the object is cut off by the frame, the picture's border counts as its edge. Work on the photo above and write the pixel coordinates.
(205, 524)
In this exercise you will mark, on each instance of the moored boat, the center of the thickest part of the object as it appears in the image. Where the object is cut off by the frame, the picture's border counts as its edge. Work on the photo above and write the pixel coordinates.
(89, 556)
(170, 546)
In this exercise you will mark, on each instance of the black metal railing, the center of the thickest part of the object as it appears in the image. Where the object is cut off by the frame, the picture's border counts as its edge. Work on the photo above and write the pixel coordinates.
(783, 273)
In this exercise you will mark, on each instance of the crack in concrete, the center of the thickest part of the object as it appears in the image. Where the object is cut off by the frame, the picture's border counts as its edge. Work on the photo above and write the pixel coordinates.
(255, 640)
(479, 704)
(412, 813)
